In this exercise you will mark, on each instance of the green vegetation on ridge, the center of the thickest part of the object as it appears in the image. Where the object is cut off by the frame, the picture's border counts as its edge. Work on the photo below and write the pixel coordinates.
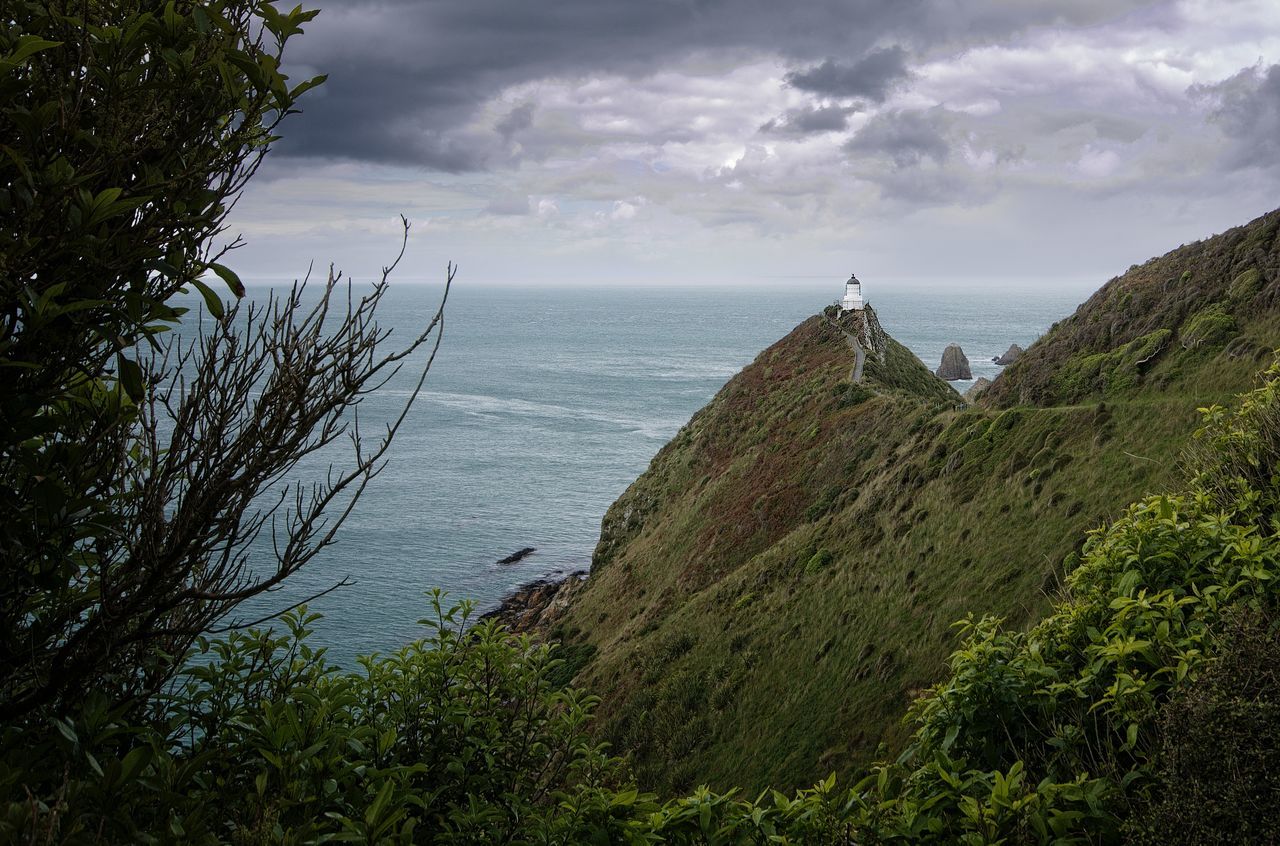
(779, 586)
(1216, 297)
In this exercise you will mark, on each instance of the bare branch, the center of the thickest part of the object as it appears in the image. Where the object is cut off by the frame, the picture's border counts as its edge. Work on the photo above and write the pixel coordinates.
(235, 406)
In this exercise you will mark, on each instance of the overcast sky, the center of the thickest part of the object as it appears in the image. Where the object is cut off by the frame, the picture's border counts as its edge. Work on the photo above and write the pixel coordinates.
(688, 142)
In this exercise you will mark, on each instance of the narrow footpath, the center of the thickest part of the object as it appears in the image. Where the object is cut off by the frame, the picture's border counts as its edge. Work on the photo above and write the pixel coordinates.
(860, 355)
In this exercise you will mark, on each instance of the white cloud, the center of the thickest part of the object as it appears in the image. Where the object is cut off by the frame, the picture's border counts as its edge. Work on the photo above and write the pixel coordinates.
(623, 210)
(1097, 164)
(674, 165)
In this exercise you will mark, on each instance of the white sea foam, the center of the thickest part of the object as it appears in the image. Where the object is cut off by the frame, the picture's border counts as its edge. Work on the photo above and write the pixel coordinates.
(486, 405)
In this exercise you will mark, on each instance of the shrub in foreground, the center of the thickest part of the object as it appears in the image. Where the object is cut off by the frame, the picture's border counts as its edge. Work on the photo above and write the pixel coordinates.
(458, 738)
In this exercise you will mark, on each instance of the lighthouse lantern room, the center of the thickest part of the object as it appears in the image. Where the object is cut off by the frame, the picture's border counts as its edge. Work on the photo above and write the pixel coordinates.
(852, 295)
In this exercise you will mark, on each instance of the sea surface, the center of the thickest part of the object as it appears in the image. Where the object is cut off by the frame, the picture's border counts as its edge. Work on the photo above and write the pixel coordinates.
(543, 405)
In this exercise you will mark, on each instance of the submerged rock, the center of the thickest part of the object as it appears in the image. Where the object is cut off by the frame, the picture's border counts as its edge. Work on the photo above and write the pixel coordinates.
(976, 388)
(1010, 356)
(518, 555)
(954, 364)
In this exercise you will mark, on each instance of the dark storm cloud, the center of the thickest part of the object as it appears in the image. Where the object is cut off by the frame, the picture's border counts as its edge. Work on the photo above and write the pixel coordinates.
(1250, 116)
(811, 120)
(907, 138)
(870, 77)
(404, 75)
(521, 117)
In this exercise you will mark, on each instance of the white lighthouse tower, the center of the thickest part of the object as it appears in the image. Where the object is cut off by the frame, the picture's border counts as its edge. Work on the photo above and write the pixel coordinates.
(852, 295)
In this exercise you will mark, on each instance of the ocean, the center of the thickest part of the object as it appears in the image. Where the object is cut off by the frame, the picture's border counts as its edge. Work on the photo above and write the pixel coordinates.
(544, 404)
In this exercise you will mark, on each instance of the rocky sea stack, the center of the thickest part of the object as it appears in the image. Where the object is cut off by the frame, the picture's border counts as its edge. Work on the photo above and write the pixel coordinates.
(1010, 355)
(954, 364)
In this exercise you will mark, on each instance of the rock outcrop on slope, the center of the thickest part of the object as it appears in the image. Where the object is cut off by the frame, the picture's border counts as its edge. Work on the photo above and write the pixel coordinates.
(1010, 355)
(778, 586)
(977, 388)
(537, 606)
(954, 364)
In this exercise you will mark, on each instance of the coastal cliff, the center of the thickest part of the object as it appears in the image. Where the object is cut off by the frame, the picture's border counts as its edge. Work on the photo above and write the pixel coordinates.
(769, 596)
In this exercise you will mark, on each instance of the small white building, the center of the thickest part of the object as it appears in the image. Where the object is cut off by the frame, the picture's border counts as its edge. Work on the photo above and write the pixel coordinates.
(852, 295)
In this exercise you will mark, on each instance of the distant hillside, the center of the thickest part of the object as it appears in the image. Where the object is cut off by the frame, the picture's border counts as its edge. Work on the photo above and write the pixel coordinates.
(772, 592)
(1213, 299)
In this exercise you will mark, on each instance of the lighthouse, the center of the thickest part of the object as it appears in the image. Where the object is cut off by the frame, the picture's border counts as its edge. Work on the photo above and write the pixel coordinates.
(852, 295)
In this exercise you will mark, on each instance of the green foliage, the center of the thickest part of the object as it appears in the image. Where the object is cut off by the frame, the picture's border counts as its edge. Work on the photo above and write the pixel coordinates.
(1211, 326)
(1055, 734)
(571, 658)
(1064, 721)
(1236, 270)
(1246, 285)
(930, 509)
(1232, 456)
(1082, 729)
(1086, 727)
(852, 394)
(1219, 762)
(903, 371)
(128, 130)
(819, 561)
(1112, 373)
(459, 738)
(824, 503)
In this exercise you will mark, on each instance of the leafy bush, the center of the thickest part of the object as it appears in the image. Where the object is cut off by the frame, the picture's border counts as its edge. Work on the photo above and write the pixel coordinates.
(1208, 327)
(132, 460)
(1219, 773)
(1111, 373)
(819, 561)
(1055, 733)
(458, 738)
(1245, 285)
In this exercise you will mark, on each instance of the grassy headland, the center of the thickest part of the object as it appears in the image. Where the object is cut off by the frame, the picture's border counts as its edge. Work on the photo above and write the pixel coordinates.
(770, 596)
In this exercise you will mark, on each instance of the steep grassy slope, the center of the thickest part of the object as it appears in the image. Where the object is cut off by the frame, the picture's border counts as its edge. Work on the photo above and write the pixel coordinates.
(769, 596)
(1214, 298)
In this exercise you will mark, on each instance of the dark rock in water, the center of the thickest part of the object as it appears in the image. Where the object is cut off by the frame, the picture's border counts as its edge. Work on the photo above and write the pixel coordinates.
(976, 388)
(535, 607)
(1010, 356)
(954, 364)
(517, 555)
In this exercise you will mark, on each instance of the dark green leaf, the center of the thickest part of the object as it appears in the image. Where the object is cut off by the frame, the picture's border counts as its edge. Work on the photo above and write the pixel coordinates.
(211, 299)
(229, 276)
(27, 46)
(130, 375)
